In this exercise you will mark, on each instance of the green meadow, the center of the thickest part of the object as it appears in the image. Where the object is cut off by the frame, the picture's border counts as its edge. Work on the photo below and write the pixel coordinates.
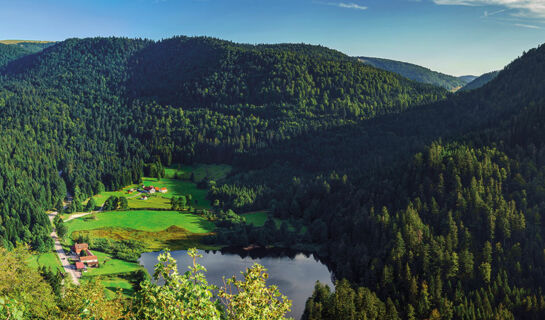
(109, 265)
(48, 260)
(148, 221)
(177, 188)
(156, 230)
(200, 171)
(112, 284)
(258, 219)
(145, 220)
(156, 200)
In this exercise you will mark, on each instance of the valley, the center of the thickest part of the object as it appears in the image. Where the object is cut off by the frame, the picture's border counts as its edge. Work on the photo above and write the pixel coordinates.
(149, 222)
(419, 202)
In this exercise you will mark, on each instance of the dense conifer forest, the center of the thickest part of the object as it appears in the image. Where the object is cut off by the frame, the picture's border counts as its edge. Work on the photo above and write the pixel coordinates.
(416, 73)
(425, 204)
(480, 81)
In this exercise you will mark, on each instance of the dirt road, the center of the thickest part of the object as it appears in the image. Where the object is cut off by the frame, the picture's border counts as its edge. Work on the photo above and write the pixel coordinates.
(68, 268)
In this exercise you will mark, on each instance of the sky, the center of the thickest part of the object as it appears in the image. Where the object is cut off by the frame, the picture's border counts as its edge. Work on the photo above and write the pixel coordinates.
(457, 37)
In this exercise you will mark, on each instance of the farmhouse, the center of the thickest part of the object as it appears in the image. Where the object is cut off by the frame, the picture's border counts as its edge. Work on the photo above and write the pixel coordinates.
(78, 247)
(150, 189)
(84, 255)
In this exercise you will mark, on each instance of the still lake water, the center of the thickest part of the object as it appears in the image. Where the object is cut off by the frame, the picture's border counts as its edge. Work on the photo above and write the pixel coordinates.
(294, 273)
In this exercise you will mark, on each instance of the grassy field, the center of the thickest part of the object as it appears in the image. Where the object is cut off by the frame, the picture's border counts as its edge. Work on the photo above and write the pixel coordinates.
(144, 220)
(200, 171)
(176, 181)
(109, 265)
(112, 284)
(156, 230)
(49, 259)
(100, 198)
(175, 188)
(258, 218)
(173, 238)
(178, 188)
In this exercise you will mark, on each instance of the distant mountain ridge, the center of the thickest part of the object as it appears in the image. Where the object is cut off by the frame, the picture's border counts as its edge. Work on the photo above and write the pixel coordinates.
(417, 73)
(189, 72)
(468, 78)
(24, 41)
(480, 81)
(11, 50)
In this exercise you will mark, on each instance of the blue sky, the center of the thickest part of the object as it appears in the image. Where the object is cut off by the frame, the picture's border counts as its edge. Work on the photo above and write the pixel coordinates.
(452, 36)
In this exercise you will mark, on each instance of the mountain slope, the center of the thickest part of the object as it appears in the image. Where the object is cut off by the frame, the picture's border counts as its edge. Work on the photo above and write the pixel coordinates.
(29, 45)
(415, 72)
(480, 81)
(9, 53)
(203, 72)
(467, 79)
(11, 50)
(460, 219)
(99, 110)
(432, 206)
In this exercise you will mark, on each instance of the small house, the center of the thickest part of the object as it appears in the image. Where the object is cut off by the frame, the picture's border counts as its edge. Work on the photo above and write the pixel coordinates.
(144, 198)
(164, 190)
(89, 258)
(85, 256)
(78, 247)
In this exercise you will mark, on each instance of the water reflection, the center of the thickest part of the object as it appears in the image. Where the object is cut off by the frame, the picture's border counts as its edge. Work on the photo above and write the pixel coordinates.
(294, 273)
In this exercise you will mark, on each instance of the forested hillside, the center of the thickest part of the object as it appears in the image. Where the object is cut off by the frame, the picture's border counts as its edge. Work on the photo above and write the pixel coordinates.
(468, 78)
(427, 204)
(94, 111)
(9, 53)
(416, 73)
(458, 226)
(32, 46)
(480, 81)
(12, 50)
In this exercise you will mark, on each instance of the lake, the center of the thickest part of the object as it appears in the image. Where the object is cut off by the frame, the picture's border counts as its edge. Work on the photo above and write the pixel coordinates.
(294, 273)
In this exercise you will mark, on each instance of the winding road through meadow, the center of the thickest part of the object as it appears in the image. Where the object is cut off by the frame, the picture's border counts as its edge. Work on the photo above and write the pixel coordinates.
(63, 257)
(68, 268)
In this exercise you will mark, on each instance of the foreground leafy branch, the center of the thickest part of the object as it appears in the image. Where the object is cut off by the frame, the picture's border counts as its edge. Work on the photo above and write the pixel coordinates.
(188, 296)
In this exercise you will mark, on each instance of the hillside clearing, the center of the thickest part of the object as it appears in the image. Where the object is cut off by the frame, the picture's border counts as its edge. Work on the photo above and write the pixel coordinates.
(145, 220)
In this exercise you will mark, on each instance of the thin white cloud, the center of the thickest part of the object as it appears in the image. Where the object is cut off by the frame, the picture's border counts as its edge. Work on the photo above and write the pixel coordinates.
(345, 5)
(529, 26)
(350, 5)
(525, 8)
(493, 13)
